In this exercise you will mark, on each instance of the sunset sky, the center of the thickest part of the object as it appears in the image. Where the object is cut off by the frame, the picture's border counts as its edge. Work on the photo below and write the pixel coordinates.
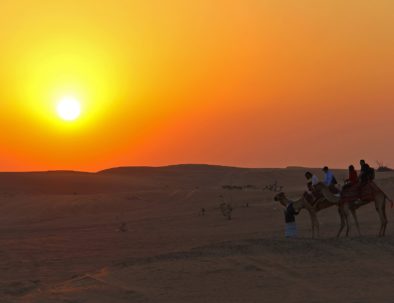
(256, 83)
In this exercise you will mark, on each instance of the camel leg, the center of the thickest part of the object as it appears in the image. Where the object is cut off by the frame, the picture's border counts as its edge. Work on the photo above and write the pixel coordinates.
(380, 234)
(381, 209)
(317, 227)
(346, 218)
(344, 214)
(347, 226)
(353, 211)
(381, 222)
(313, 230)
(385, 218)
(315, 223)
(312, 223)
(341, 214)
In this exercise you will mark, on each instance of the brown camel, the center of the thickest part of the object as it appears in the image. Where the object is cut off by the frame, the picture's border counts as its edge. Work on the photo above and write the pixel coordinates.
(298, 205)
(328, 195)
(313, 208)
(378, 196)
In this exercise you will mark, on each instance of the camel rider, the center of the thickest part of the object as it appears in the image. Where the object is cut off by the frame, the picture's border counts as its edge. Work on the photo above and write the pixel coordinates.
(352, 180)
(312, 180)
(329, 180)
(366, 173)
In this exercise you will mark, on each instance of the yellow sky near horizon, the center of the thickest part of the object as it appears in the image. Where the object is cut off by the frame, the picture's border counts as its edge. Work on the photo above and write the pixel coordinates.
(247, 83)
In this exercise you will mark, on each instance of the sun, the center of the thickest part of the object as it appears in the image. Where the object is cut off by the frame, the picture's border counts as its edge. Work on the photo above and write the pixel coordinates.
(69, 109)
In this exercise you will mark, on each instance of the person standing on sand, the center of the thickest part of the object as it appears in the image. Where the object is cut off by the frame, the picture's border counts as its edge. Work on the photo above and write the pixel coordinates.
(290, 213)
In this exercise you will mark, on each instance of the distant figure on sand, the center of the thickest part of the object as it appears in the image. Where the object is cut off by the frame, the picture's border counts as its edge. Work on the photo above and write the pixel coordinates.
(290, 213)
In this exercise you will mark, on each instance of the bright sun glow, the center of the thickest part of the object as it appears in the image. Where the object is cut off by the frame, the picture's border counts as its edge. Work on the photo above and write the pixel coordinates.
(69, 109)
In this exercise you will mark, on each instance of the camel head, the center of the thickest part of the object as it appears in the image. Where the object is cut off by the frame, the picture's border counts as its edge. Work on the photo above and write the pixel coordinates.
(281, 198)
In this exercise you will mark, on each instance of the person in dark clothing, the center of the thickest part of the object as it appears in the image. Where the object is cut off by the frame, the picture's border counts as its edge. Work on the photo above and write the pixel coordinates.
(291, 228)
(366, 173)
(353, 178)
(290, 213)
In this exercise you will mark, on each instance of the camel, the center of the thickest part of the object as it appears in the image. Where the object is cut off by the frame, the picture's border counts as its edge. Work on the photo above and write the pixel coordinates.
(328, 195)
(298, 205)
(379, 197)
(319, 205)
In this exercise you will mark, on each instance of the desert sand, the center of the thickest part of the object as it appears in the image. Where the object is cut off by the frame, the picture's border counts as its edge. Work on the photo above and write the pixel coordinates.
(137, 235)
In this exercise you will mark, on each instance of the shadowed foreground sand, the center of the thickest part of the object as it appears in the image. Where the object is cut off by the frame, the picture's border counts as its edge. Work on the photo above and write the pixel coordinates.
(60, 241)
(273, 270)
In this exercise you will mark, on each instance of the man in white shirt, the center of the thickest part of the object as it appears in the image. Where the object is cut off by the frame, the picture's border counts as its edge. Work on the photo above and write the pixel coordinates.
(312, 180)
(330, 181)
(328, 176)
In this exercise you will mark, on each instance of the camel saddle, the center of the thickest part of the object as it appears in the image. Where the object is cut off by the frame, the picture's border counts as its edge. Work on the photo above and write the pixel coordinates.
(364, 192)
(313, 198)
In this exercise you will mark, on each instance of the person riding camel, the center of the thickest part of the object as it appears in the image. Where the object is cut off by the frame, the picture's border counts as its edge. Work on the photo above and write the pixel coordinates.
(366, 173)
(329, 180)
(352, 179)
(312, 180)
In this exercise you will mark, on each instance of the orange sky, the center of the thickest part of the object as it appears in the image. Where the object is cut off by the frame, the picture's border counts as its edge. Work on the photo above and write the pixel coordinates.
(260, 83)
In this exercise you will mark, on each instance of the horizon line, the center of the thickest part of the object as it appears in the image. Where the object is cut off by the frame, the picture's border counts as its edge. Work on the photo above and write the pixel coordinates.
(162, 166)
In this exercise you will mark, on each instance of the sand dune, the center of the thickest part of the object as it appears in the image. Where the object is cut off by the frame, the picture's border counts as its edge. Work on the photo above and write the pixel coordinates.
(60, 240)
